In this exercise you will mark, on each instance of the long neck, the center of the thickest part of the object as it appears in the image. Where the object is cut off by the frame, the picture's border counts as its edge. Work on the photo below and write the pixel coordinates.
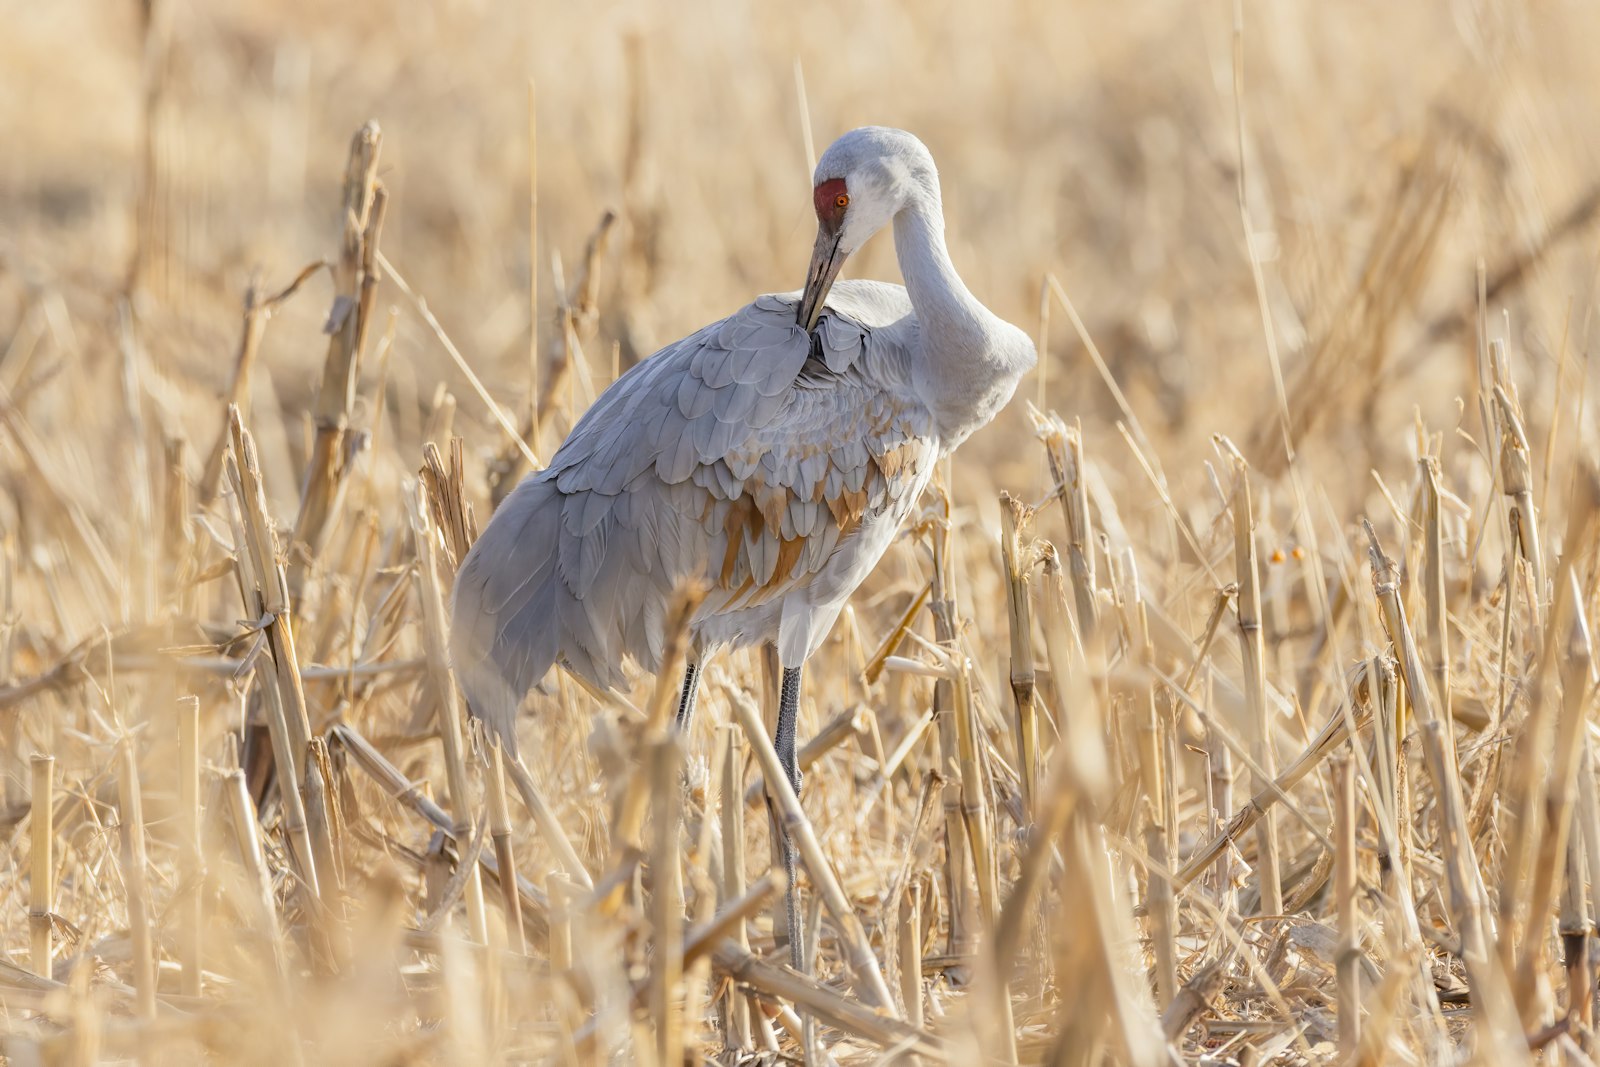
(948, 312)
(953, 362)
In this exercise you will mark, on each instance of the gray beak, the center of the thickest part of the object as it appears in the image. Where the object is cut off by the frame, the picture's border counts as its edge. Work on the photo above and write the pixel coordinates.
(826, 259)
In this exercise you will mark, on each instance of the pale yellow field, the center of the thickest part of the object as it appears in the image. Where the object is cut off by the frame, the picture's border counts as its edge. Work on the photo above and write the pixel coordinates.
(1271, 222)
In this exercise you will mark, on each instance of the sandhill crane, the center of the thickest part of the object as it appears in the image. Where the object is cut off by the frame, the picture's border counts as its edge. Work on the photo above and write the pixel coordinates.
(772, 455)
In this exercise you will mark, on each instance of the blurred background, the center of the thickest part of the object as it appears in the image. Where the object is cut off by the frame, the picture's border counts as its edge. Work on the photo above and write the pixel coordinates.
(1389, 148)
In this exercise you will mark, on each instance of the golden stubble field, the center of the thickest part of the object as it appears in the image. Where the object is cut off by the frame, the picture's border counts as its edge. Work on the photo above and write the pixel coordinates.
(1083, 774)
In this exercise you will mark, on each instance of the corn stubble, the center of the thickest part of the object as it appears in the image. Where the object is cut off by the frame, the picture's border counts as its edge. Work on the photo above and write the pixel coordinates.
(250, 821)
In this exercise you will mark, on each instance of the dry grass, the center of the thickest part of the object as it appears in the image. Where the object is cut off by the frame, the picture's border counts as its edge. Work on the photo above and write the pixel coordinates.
(1258, 715)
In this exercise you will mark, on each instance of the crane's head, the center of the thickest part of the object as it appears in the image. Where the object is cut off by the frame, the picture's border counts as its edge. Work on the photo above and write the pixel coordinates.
(862, 182)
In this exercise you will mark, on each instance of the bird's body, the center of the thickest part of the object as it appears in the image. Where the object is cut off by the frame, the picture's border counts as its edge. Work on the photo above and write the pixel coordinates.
(772, 455)
(774, 467)
(731, 456)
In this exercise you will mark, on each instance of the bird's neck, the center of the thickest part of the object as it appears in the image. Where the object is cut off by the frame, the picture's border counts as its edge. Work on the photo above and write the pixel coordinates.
(937, 292)
(959, 370)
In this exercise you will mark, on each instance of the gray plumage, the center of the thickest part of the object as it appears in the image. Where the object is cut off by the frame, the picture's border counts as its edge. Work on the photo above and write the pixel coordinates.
(772, 463)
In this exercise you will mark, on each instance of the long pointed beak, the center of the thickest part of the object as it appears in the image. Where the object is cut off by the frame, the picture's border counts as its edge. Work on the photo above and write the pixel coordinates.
(826, 259)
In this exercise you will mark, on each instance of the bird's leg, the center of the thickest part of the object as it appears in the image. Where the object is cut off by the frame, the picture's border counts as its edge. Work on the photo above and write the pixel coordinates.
(788, 711)
(691, 689)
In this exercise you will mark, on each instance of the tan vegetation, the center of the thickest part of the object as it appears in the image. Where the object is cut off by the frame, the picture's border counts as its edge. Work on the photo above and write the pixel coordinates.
(1231, 701)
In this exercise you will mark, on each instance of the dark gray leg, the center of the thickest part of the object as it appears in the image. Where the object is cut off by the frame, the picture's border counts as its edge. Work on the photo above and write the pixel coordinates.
(691, 688)
(788, 711)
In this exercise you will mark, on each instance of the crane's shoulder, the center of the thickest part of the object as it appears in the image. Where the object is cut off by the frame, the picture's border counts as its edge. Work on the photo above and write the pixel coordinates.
(752, 380)
(867, 304)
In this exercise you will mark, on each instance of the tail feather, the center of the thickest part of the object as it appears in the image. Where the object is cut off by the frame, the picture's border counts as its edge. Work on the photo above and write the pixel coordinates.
(504, 637)
(532, 593)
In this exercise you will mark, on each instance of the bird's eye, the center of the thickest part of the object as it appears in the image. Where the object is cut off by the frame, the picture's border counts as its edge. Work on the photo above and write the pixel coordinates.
(842, 200)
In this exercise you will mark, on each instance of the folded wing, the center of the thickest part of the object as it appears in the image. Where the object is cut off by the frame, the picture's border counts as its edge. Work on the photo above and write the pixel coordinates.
(745, 455)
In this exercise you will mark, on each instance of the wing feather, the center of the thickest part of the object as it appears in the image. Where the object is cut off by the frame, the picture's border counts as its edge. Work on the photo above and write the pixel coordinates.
(695, 397)
(732, 455)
